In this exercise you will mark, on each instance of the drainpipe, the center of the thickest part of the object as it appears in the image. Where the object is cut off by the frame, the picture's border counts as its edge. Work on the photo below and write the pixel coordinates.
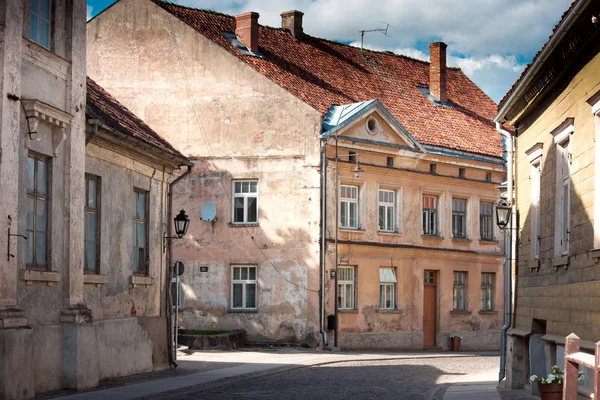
(509, 246)
(170, 332)
(323, 238)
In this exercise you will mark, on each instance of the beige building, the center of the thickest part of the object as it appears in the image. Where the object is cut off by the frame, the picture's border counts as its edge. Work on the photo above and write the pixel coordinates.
(81, 298)
(554, 108)
(249, 105)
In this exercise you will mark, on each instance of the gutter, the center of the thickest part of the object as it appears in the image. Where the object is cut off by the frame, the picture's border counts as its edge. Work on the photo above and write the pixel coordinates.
(556, 38)
(509, 246)
(170, 332)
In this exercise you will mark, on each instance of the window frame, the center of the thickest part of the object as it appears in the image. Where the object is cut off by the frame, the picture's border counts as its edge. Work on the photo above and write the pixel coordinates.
(245, 197)
(244, 283)
(459, 287)
(456, 214)
(563, 141)
(37, 196)
(38, 21)
(350, 201)
(488, 291)
(490, 221)
(426, 215)
(382, 290)
(135, 222)
(97, 212)
(342, 285)
(387, 206)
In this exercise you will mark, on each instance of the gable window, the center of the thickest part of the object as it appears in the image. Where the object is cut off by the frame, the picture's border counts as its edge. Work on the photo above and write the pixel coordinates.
(345, 288)
(245, 202)
(36, 253)
(487, 291)
(92, 224)
(386, 210)
(140, 232)
(40, 22)
(459, 218)
(387, 288)
(486, 221)
(459, 292)
(563, 189)
(243, 287)
(430, 215)
(349, 207)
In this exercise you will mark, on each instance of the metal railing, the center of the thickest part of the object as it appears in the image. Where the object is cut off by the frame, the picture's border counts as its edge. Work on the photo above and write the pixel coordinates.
(573, 359)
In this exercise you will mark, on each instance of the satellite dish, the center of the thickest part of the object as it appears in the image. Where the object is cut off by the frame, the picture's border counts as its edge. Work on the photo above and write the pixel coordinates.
(208, 211)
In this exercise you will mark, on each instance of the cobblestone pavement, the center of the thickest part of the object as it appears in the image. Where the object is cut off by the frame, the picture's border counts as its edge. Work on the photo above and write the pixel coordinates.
(417, 379)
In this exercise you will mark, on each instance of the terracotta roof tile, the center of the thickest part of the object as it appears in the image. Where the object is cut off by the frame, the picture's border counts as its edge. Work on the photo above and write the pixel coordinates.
(323, 73)
(112, 113)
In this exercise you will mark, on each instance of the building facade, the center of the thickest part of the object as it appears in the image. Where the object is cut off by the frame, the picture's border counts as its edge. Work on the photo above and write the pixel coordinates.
(73, 309)
(554, 109)
(251, 104)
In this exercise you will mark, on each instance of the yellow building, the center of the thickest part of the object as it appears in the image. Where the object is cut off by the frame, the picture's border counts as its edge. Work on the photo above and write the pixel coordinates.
(554, 107)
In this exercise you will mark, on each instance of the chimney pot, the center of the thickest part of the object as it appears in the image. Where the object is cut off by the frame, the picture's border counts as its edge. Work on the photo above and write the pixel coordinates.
(246, 29)
(437, 71)
(292, 21)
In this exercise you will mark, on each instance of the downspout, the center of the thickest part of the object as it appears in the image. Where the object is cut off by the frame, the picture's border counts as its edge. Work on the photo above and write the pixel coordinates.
(509, 247)
(323, 237)
(170, 332)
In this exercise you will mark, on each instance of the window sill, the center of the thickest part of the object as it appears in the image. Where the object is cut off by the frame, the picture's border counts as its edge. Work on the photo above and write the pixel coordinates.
(460, 312)
(388, 311)
(31, 275)
(560, 262)
(348, 311)
(357, 230)
(481, 312)
(94, 279)
(433, 237)
(141, 280)
(389, 233)
(461, 239)
(534, 265)
(242, 225)
(488, 241)
(243, 310)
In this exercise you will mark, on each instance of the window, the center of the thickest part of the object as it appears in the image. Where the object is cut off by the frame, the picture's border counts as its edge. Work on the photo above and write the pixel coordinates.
(245, 202)
(390, 161)
(345, 288)
(486, 221)
(430, 217)
(349, 207)
(459, 218)
(387, 288)
(488, 176)
(36, 254)
(39, 22)
(461, 172)
(243, 287)
(487, 291)
(536, 219)
(459, 291)
(563, 195)
(352, 157)
(432, 168)
(386, 210)
(176, 293)
(140, 231)
(92, 224)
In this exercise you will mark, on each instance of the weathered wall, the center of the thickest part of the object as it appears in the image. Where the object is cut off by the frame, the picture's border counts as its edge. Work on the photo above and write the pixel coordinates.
(193, 92)
(408, 250)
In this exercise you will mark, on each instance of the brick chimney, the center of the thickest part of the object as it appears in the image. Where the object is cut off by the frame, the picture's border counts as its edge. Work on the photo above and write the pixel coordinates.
(246, 29)
(292, 21)
(437, 71)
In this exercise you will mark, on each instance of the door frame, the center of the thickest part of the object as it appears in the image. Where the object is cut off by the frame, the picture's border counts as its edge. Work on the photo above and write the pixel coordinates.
(436, 274)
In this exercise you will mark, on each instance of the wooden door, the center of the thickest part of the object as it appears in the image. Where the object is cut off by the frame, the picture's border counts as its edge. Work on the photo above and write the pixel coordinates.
(429, 309)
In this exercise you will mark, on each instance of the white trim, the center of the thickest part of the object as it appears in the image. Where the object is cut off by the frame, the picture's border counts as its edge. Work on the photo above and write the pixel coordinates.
(244, 196)
(563, 148)
(535, 152)
(244, 283)
(562, 136)
(535, 209)
(596, 108)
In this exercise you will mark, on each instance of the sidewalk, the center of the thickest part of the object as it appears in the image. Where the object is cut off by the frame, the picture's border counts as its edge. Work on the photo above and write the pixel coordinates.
(223, 367)
(481, 386)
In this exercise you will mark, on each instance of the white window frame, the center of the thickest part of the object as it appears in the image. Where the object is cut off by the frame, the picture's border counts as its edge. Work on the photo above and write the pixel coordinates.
(562, 139)
(488, 291)
(426, 216)
(245, 283)
(387, 288)
(387, 205)
(349, 202)
(37, 18)
(459, 214)
(245, 196)
(346, 279)
(594, 102)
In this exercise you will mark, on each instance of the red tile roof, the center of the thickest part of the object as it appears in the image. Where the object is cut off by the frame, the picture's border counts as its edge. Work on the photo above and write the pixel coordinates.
(323, 73)
(101, 105)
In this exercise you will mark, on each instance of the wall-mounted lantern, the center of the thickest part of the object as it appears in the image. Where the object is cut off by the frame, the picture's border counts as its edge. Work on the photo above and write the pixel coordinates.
(503, 209)
(182, 223)
(357, 170)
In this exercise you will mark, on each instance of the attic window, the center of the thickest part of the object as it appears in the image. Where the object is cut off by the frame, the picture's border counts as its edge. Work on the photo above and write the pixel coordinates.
(352, 157)
(432, 168)
(461, 172)
(488, 176)
(239, 46)
(390, 161)
(372, 125)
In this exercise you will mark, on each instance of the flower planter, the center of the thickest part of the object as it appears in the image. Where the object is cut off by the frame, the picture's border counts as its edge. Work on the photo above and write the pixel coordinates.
(550, 391)
(455, 341)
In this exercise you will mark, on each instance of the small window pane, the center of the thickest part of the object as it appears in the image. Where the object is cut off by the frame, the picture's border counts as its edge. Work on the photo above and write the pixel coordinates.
(91, 226)
(252, 274)
(245, 187)
(29, 248)
(252, 209)
(41, 215)
(44, 31)
(253, 187)
(141, 235)
(250, 295)
(237, 187)
(30, 173)
(92, 193)
(141, 207)
(91, 255)
(40, 248)
(238, 211)
(244, 274)
(42, 176)
(236, 273)
(33, 27)
(30, 211)
(45, 12)
(238, 295)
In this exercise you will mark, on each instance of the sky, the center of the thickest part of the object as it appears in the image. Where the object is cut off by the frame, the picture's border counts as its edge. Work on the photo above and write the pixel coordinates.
(491, 40)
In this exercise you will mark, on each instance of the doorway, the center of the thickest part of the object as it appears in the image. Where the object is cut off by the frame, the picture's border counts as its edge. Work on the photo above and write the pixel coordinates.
(429, 309)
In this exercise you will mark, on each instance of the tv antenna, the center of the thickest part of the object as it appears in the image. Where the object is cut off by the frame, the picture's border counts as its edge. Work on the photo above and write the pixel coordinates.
(382, 30)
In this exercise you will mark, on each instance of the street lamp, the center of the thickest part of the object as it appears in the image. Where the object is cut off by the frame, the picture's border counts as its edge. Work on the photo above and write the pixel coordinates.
(357, 170)
(182, 222)
(503, 209)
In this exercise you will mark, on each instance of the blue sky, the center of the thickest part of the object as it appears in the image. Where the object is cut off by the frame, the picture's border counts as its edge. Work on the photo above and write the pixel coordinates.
(491, 40)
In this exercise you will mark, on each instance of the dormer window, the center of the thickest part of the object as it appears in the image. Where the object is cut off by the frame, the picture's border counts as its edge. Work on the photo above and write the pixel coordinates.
(40, 22)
